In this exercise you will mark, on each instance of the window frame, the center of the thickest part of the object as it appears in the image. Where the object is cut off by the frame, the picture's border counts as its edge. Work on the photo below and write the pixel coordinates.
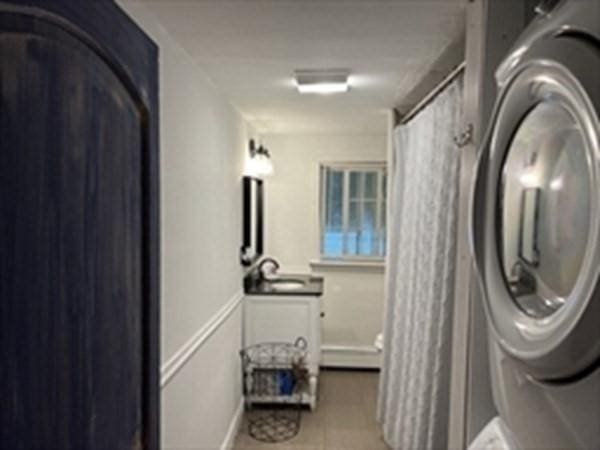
(381, 206)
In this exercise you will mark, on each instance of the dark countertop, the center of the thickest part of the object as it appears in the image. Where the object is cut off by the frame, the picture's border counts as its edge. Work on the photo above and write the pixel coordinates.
(312, 286)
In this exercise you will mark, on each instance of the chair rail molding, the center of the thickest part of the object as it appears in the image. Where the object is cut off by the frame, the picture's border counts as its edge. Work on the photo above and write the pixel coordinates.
(170, 368)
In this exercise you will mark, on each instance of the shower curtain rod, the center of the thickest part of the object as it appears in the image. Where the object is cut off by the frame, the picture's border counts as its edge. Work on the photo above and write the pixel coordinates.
(433, 93)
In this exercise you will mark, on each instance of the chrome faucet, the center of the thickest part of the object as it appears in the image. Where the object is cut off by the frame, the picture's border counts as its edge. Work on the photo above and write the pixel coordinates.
(261, 271)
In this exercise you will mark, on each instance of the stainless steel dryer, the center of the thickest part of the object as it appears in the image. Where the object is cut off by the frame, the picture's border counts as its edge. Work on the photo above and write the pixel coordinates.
(536, 231)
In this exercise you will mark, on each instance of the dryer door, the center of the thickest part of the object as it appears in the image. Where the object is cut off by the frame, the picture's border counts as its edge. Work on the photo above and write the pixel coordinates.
(536, 217)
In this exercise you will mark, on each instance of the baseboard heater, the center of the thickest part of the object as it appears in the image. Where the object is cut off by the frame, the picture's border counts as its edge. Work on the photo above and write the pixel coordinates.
(363, 349)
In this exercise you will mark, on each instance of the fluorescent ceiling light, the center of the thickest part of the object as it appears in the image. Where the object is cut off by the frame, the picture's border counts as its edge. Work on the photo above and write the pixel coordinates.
(322, 88)
(322, 81)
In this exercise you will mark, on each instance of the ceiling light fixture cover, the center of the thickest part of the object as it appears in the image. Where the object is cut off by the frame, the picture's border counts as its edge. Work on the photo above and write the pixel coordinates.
(322, 81)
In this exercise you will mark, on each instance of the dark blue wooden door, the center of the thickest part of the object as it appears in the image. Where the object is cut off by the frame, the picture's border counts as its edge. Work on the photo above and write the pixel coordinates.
(78, 228)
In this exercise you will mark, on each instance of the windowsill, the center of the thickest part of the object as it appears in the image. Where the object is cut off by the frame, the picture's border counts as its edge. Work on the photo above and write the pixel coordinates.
(375, 266)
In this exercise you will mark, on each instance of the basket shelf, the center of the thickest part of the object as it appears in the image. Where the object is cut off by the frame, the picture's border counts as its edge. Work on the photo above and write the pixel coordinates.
(275, 374)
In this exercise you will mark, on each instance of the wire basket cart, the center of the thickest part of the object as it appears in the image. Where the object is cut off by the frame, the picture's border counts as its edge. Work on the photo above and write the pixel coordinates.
(275, 380)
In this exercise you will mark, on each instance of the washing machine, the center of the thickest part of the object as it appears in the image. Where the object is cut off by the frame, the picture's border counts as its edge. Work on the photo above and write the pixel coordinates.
(535, 231)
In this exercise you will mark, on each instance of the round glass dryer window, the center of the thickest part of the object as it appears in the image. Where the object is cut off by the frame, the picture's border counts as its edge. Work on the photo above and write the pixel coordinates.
(544, 209)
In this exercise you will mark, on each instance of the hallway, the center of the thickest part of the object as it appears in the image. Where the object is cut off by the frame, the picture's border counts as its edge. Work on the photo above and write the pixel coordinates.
(344, 418)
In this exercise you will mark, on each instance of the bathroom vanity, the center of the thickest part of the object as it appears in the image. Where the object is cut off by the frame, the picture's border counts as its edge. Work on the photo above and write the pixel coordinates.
(283, 310)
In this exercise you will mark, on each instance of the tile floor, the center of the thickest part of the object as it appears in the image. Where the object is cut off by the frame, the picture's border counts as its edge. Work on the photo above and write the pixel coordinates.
(344, 418)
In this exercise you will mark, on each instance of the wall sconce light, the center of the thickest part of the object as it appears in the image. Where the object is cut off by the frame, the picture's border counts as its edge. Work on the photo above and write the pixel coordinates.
(260, 163)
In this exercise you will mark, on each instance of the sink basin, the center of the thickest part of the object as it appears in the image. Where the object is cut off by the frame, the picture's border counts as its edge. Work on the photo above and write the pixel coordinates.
(286, 284)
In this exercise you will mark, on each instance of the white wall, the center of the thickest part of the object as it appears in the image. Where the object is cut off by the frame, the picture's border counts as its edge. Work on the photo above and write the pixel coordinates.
(353, 298)
(203, 142)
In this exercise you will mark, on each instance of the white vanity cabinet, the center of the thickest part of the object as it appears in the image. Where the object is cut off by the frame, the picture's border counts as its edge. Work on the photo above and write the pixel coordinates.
(285, 318)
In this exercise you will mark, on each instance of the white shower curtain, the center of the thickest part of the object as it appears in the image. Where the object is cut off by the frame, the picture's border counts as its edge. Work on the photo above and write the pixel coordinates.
(415, 379)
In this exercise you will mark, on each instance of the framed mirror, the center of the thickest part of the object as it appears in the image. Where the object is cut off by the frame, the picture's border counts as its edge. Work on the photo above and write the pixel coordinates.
(252, 216)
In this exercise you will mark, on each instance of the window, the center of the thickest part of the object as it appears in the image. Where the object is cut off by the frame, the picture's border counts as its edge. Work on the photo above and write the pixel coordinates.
(353, 211)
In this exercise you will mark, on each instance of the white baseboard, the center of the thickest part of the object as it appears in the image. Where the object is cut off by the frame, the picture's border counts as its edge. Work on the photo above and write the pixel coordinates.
(234, 427)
